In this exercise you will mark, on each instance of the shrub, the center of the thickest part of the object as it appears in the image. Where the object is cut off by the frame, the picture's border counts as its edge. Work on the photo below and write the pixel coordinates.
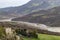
(2, 32)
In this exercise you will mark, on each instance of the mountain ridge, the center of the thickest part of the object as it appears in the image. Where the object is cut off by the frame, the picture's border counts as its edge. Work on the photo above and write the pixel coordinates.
(31, 6)
(50, 17)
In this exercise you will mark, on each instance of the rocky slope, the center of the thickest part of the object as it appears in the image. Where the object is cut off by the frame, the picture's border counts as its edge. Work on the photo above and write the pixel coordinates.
(50, 17)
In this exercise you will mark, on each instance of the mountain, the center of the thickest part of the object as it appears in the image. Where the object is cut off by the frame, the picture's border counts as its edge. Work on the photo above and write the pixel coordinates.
(50, 17)
(32, 6)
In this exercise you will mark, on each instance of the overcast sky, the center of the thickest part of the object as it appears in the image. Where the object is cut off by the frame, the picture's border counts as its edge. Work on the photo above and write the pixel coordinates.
(9, 3)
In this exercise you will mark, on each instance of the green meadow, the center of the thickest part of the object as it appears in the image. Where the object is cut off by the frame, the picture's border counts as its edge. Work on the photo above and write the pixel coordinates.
(44, 37)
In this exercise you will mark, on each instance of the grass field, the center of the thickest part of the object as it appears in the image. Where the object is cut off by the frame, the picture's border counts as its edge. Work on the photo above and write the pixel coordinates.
(44, 37)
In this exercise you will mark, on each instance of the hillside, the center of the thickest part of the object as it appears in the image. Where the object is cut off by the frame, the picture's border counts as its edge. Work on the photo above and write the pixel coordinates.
(24, 9)
(50, 17)
(32, 6)
(25, 31)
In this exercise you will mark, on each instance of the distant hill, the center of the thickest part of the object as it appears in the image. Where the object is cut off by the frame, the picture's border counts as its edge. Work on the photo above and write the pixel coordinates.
(50, 17)
(32, 6)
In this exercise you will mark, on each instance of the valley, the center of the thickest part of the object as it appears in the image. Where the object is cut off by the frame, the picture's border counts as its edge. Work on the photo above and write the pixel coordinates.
(35, 20)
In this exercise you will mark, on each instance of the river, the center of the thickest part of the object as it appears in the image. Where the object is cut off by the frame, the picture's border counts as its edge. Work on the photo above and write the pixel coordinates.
(54, 29)
(9, 19)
